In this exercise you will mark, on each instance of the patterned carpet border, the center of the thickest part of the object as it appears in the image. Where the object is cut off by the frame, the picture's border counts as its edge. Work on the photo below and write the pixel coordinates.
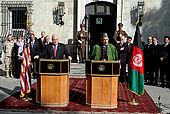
(77, 97)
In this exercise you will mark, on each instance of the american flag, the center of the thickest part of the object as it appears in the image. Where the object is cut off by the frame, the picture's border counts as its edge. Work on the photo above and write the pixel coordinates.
(25, 72)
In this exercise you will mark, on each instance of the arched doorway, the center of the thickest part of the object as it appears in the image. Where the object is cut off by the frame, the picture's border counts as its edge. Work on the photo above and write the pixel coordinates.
(101, 19)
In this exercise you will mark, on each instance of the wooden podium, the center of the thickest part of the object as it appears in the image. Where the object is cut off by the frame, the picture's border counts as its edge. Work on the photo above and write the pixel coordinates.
(52, 82)
(102, 83)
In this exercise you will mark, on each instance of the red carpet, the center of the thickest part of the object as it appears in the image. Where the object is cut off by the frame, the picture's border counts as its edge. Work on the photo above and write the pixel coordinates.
(77, 100)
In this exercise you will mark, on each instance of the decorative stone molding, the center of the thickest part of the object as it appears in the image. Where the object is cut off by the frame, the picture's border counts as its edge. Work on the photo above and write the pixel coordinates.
(16, 4)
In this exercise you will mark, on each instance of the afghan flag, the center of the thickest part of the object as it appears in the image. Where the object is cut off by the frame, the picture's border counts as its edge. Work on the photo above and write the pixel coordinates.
(136, 65)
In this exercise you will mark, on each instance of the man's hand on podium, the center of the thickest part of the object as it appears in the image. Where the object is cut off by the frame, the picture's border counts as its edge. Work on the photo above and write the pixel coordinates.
(70, 58)
(80, 41)
(36, 57)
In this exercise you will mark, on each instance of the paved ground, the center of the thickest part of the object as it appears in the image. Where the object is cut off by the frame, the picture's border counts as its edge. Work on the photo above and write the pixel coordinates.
(9, 86)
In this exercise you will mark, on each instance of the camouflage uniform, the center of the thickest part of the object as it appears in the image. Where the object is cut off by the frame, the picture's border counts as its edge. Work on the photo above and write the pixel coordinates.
(81, 36)
(8, 46)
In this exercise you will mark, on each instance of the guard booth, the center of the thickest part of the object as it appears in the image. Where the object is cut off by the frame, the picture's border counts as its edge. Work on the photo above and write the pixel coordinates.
(101, 18)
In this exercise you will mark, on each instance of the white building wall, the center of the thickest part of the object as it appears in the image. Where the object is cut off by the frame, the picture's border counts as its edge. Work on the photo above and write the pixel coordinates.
(155, 20)
(42, 19)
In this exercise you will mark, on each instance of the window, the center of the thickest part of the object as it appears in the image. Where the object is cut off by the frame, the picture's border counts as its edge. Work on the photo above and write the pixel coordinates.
(100, 8)
(19, 18)
(14, 17)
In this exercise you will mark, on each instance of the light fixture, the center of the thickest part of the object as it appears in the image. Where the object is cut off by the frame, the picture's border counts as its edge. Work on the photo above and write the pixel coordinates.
(140, 8)
(61, 13)
(140, 11)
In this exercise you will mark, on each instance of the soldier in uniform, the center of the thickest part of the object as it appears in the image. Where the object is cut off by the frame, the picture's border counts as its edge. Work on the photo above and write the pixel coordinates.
(8, 46)
(120, 32)
(81, 38)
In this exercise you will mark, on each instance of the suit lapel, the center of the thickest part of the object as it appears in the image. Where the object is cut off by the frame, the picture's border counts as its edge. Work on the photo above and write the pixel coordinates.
(51, 51)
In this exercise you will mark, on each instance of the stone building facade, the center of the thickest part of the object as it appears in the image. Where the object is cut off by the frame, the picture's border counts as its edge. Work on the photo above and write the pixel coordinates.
(95, 14)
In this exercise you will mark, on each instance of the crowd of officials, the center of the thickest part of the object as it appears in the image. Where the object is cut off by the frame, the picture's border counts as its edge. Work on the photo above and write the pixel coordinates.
(157, 61)
(156, 56)
(43, 47)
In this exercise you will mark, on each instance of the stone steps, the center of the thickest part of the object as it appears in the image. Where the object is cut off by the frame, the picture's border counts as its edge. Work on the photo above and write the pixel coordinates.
(77, 69)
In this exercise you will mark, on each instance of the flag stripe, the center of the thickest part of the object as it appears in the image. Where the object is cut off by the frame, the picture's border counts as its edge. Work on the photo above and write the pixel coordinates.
(137, 51)
(25, 72)
(136, 82)
(136, 65)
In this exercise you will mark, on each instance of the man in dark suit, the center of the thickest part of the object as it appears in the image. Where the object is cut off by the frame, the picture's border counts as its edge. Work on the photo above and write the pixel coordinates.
(129, 43)
(122, 48)
(34, 47)
(148, 58)
(155, 47)
(119, 33)
(34, 50)
(164, 61)
(56, 50)
(41, 41)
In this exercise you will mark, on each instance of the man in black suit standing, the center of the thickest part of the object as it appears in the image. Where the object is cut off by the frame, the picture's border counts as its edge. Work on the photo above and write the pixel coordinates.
(129, 44)
(34, 51)
(34, 47)
(56, 50)
(164, 62)
(148, 58)
(155, 47)
(122, 48)
(41, 41)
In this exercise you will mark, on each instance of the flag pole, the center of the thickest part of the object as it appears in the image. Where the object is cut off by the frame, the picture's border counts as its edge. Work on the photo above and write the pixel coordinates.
(133, 102)
(26, 98)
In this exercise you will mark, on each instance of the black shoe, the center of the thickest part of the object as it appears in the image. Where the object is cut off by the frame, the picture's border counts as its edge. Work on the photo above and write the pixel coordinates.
(162, 85)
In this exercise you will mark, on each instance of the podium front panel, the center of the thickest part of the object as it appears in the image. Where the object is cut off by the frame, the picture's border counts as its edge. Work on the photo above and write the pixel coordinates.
(49, 67)
(88, 67)
(102, 68)
(52, 66)
(116, 69)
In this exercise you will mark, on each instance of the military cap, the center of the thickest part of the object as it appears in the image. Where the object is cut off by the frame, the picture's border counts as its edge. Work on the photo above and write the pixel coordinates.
(120, 25)
(82, 25)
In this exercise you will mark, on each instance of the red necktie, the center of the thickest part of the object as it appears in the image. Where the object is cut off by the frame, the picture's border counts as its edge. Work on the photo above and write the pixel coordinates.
(55, 49)
(121, 44)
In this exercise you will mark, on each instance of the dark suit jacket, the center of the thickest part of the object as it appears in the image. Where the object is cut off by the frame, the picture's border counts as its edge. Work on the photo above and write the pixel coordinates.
(122, 53)
(34, 50)
(41, 45)
(165, 53)
(48, 52)
(155, 50)
(148, 53)
(128, 52)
